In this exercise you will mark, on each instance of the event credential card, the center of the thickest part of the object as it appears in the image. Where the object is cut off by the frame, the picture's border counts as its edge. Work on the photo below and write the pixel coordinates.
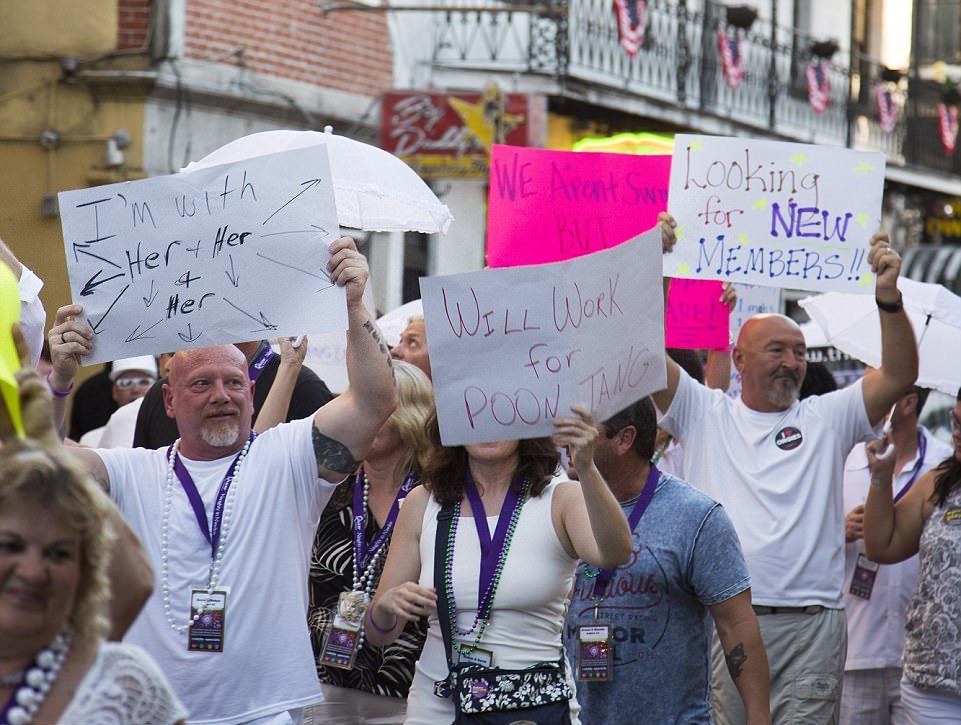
(511, 349)
(224, 254)
(774, 214)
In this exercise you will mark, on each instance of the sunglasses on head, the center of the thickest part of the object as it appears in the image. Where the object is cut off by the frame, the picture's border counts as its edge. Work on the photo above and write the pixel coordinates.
(124, 383)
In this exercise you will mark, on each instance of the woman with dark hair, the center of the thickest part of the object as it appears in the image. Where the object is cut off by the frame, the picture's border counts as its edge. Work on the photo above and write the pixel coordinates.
(499, 598)
(925, 521)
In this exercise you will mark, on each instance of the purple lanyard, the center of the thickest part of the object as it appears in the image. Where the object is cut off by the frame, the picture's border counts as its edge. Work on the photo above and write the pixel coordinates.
(640, 506)
(362, 553)
(264, 355)
(922, 450)
(211, 533)
(491, 549)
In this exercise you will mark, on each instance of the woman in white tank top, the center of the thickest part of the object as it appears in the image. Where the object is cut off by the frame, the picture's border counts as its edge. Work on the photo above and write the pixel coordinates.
(553, 524)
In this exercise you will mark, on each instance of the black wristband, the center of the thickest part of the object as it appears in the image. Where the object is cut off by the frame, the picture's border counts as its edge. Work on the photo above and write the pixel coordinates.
(891, 307)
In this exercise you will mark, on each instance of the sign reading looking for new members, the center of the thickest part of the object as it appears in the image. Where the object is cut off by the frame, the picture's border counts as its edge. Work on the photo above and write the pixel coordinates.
(774, 214)
(224, 254)
(511, 349)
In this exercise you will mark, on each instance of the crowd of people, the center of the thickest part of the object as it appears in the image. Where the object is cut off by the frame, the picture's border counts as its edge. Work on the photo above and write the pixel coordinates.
(216, 538)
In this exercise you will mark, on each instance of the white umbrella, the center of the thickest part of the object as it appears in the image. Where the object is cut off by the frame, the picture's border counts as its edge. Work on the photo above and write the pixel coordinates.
(395, 322)
(851, 323)
(374, 190)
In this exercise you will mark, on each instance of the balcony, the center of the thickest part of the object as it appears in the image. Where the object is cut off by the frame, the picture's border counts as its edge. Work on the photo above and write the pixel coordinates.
(571, 49)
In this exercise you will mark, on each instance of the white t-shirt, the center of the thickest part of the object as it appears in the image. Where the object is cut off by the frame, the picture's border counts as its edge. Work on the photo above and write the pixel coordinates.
(120, 428)
(778, 476)
(267, 665)
(33, 317)
(876, 625)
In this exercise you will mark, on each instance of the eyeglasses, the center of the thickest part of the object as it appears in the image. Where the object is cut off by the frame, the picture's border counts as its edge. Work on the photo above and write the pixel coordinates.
(955, 424)
(124, 383)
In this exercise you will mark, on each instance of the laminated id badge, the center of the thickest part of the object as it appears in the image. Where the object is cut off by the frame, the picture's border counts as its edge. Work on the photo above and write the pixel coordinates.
(206, 634)
(594, 653)
(865, 572)
(343, 638)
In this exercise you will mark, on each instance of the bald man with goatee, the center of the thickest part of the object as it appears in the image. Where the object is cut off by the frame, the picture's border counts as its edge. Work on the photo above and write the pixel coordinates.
(776, 465)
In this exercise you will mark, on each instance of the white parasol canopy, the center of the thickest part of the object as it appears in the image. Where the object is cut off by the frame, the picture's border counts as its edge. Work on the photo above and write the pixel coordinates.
(374, 190)
(851, 323)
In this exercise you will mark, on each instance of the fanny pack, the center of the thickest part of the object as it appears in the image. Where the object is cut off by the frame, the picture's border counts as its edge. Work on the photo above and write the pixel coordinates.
(537, 695)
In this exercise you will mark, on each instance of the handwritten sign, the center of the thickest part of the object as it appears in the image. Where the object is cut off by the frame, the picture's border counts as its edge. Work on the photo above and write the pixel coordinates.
(546, 206)
(774, 214)
(695, 317)
(751, 300)
(224, 254)
(511, 349)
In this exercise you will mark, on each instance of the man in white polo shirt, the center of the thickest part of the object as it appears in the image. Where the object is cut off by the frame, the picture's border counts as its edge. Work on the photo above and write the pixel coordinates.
(775, 465)
(876, 596)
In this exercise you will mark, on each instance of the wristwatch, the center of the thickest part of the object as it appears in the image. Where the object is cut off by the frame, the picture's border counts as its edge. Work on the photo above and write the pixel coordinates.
(891, 307)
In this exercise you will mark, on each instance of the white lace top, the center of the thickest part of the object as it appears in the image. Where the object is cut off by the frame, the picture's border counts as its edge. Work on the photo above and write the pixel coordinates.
(124, 687)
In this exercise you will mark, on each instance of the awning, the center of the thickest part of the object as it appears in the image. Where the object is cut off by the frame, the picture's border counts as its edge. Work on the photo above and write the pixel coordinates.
(939, 264)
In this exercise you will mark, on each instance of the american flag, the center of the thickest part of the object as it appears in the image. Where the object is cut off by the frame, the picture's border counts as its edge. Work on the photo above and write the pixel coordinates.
(631, 24)
(948, 126)
(888, 108)
(732, 61)
(819, 87)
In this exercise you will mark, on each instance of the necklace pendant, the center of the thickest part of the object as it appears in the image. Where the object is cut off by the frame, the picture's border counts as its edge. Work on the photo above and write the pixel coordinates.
(352, 606)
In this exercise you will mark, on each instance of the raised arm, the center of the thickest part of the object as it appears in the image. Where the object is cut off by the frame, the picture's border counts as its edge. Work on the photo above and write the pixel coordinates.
(899, 349)
(663, 398)
(892, 532)
(744, 653)
(345, 427)
(274, 410)
(592, 521)
(69, 341)
(399, 598)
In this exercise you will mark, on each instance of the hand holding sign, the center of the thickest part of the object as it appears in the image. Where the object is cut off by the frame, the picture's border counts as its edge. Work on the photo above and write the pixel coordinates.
(772, 213)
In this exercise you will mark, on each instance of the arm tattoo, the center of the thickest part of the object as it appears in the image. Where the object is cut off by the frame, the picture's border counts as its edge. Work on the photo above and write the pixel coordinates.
(735, 661)
(384, 350)
(332, 455)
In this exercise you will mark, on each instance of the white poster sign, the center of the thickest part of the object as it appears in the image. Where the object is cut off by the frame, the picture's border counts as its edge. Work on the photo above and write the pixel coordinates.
(224, 254)
(511, 349)
(774, 214)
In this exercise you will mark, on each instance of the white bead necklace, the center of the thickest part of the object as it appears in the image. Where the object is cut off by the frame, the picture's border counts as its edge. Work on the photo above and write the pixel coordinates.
(39, 679)
(365, 581)
(213, 575)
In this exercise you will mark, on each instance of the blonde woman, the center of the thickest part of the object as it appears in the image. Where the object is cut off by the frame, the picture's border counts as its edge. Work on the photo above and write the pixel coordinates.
(58, 554)
(363, 683)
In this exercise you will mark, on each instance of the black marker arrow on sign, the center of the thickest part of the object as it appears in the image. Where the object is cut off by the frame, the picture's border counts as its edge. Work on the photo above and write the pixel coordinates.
(151, 296)
(96, 328)
(232, 275)
(190, 336)
(267, 324)
(91, 284)
(139, 334)
(308, 185)
(82, 249)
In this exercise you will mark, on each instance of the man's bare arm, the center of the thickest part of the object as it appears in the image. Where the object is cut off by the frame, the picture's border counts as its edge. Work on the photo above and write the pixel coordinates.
(744, 653)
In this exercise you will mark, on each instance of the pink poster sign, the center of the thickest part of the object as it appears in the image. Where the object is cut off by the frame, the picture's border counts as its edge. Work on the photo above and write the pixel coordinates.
(547, 206)
(695, 318)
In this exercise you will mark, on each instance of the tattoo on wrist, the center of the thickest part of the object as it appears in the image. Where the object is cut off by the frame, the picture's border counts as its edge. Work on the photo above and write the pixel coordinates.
(876, 482)
(735, 661)
(332, 455)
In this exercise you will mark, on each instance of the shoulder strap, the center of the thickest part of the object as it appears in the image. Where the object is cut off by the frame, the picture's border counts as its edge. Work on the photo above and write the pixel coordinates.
(445, 519)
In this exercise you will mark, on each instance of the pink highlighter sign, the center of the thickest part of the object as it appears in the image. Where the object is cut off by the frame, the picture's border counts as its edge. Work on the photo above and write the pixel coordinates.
(548, 206)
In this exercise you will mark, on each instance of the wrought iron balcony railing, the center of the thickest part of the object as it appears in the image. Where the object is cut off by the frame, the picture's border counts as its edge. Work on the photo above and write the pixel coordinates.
(575, 43)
